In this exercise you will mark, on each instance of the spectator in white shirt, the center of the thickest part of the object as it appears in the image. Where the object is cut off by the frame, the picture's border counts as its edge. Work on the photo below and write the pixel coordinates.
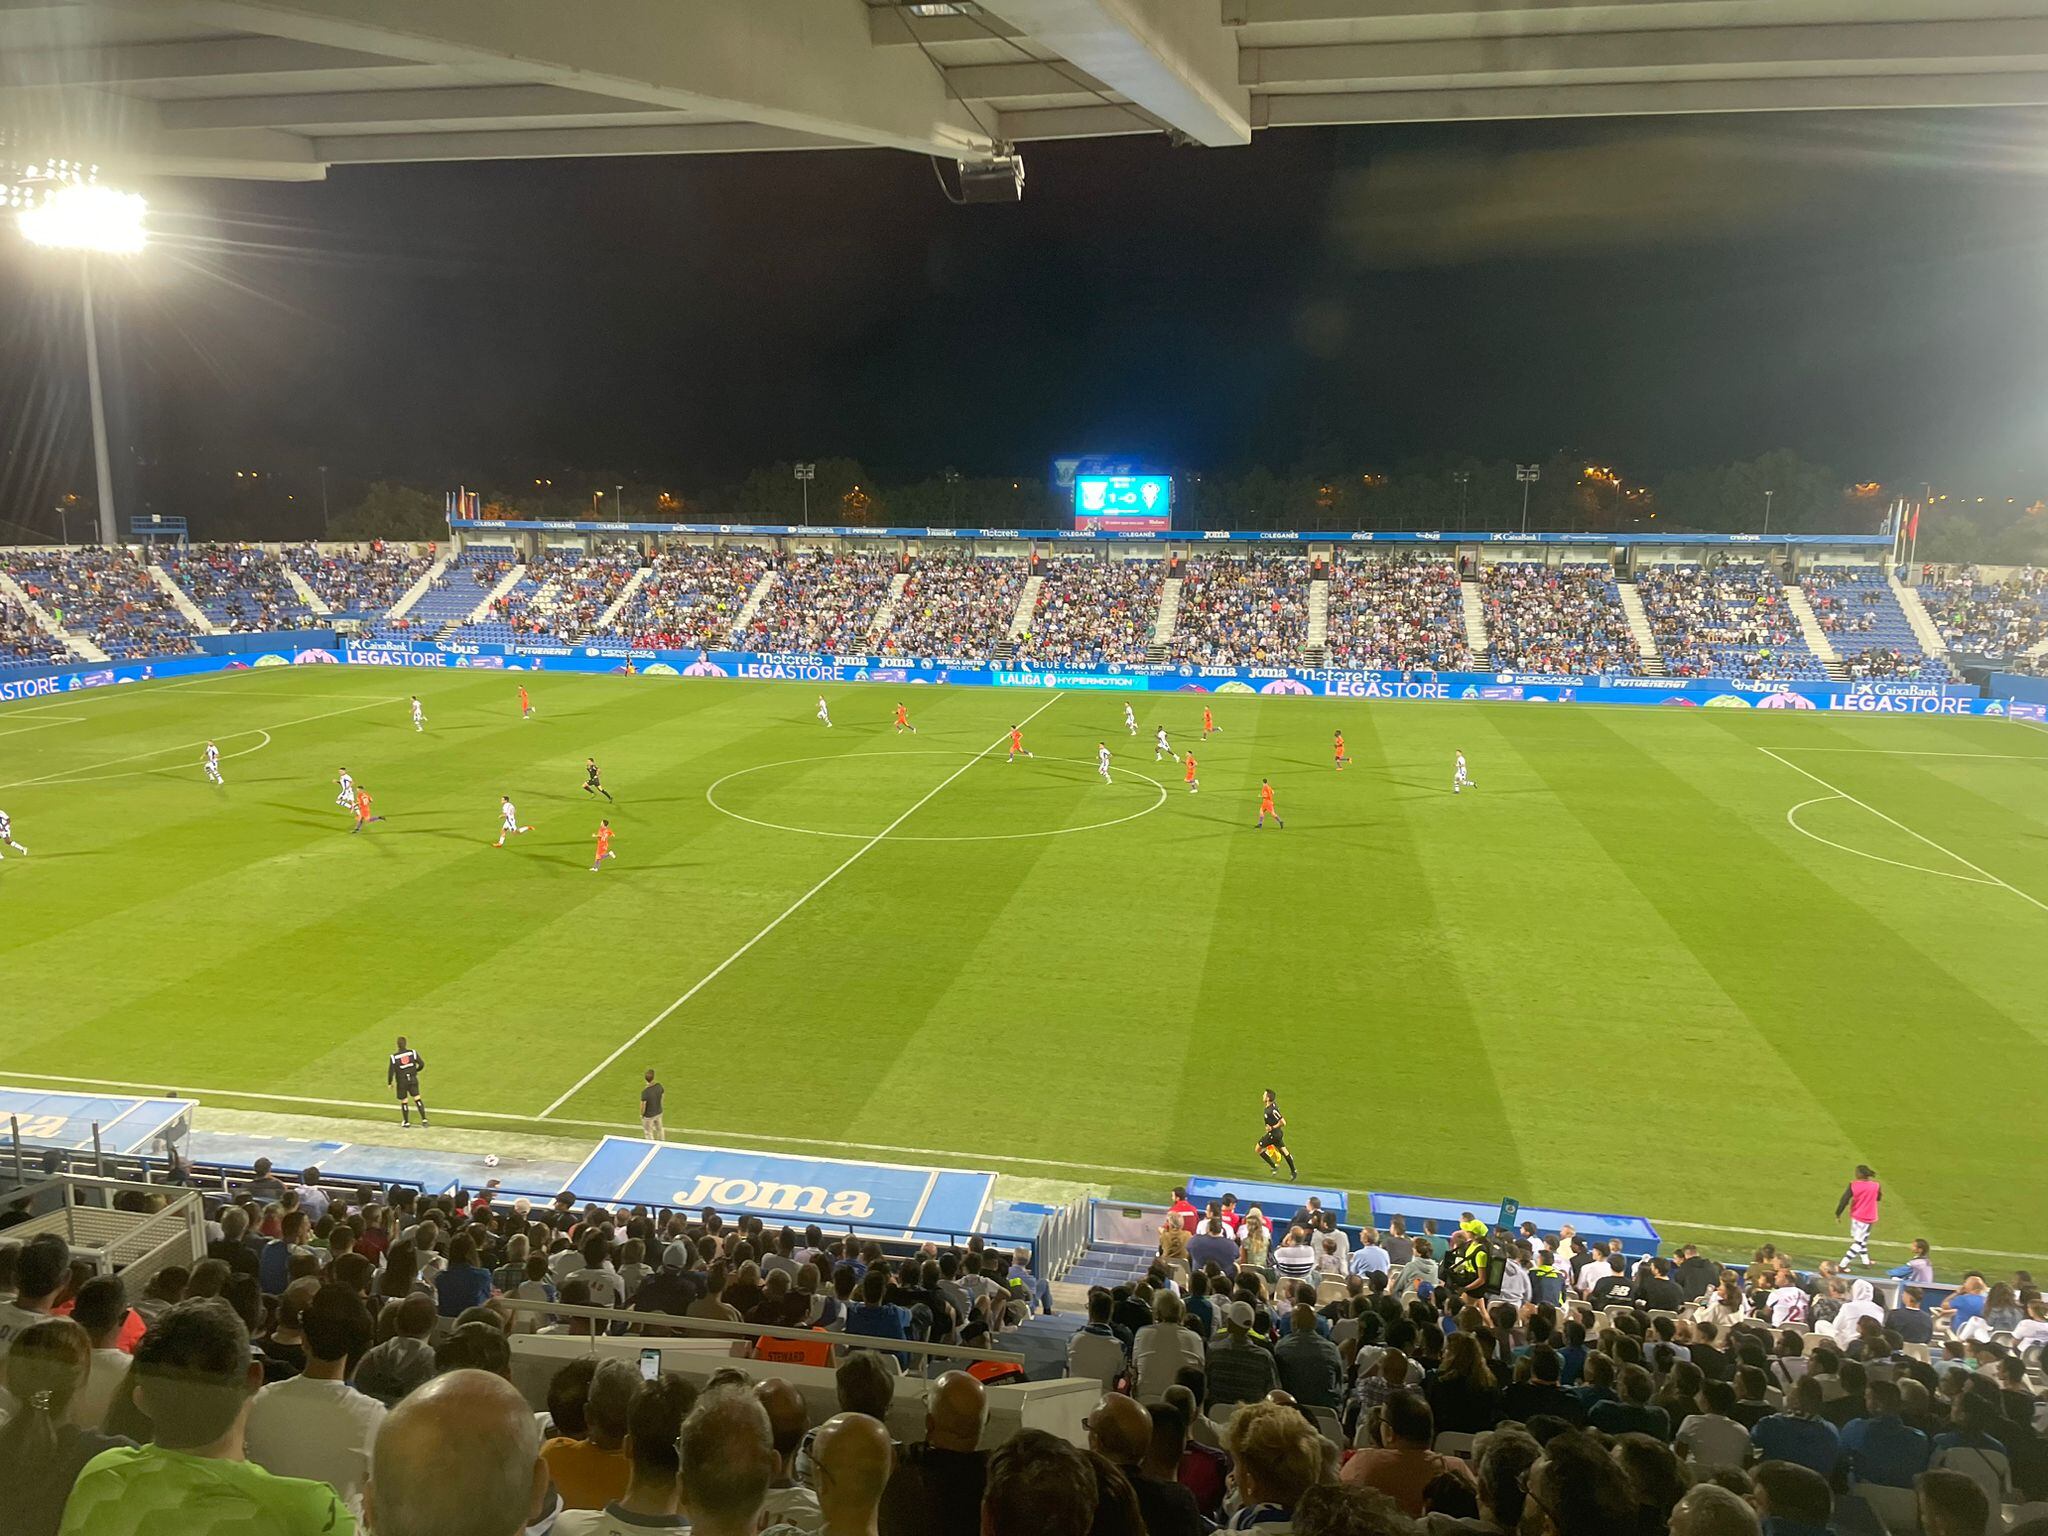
(313, 1200)
(1716, 1439)
(1096, 1353)
(1369, 1258)
(1166, 1348)
(101, 1309)
(315, 1425)
(1294, 1259)
(653, 1497)
(606, 1289)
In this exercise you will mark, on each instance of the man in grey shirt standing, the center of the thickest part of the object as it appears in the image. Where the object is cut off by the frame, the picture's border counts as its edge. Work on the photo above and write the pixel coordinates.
(650, 1109)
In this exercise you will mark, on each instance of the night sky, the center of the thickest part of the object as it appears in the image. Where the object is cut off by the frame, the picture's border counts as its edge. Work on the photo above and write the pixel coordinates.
(1866, 289)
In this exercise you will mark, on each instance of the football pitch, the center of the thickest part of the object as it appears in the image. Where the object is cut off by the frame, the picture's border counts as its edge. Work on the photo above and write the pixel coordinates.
(1690, 963)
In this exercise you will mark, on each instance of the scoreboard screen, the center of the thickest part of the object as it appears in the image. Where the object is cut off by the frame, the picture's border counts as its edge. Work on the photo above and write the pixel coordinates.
(1123, 503)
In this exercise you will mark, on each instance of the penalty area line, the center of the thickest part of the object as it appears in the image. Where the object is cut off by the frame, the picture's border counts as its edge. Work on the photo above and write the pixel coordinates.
(786, 913)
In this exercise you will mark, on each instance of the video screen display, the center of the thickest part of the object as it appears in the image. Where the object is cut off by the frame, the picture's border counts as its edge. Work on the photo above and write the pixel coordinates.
(1123, 503)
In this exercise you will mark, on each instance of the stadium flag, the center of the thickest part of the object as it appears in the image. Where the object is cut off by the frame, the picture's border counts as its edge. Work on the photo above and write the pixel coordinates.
(1913, 534)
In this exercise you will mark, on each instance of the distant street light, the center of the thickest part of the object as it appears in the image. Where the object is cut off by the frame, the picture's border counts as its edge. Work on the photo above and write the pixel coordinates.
(595, 510)
(618, 502)
(323, 501)
(1528, 474)
(1767, 510)
(92, 220)
(805, 474)
(1461, 478)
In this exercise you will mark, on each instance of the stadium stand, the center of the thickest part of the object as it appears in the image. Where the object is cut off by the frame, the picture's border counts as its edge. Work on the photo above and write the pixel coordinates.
(23, 642)
(692, 596)
(1727, 620)
(239, 587)
(1866, 625)
(359, 583)
(823, 601)
(1984, 616)
(1397, 612)
(1093, 612)
(1560, 618)
(455, 594)
(956, 606)
(105, 595)
(1249, 611)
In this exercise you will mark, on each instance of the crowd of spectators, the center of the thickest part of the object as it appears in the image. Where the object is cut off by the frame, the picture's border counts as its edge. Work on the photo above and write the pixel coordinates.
(1726, 620)
(1242, 611)
(561, 596)
(1557, 618)
(106, 595)
(22, 640)
(1858, 611)
(1094, 613)
(1397, 613)
(956, 606)
(692, 596)
(365, 580)
(1983, 616)
(821, 601)
(239, 587)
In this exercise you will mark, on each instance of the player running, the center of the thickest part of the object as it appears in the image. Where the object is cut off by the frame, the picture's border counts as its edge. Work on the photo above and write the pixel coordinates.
(419, 715)
(404, 1074)
(347, 798)
(1342, 757)
(604, 844)
(1266, 805)
(1274, 1139)
(824, 714)
(363, 816)
(510, 820)
(1017, 743)
(593, 784)
(1161, 747)
(1193, 782)
(1460, 780)
(525, 704)
(903, 720)
(1130, 720)
(1209, 725)
(213, 763)
(7, 836)
(1102, 760)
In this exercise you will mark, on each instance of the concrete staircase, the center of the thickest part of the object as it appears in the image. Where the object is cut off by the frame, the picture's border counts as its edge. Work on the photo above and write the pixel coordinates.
(307, 595)
(1316, 644)
(1162, 627)
(755, 599)
(1027, 605)
(418, 589)
(482, 611)
(78, 645)
(885, 611)
(1925, 630)
(637, 581)
(182, 601)
(1476, 639)
(1648, 661)
(1809, 628)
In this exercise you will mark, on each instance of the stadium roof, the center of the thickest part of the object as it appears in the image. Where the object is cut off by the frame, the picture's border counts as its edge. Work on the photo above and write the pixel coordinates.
(285, 89)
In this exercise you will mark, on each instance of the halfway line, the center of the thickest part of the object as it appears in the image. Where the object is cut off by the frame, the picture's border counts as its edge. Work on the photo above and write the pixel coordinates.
(787, 912)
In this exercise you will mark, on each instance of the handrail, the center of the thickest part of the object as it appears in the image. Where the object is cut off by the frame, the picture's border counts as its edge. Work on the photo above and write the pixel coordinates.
(763, 1331)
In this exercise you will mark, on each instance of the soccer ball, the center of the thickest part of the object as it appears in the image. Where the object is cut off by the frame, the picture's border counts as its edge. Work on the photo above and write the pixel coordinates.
(491, 1160)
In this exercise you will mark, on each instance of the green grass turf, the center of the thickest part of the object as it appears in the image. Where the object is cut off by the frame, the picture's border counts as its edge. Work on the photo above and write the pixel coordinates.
(1613, 977)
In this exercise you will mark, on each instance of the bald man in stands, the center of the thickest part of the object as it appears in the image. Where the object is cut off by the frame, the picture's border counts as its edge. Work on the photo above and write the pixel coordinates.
(1120, 1432)
(459, 1457)
(851, 1459)
(1710, 1510)
(938, 1483)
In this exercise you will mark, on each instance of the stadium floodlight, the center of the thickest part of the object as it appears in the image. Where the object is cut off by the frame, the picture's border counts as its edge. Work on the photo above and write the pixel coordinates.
(84, 216)
(1528, 474)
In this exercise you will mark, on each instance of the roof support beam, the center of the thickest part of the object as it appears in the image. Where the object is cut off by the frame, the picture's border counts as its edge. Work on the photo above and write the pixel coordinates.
(1174, 58)
(344, 109)
(143, 63)
(564, 143)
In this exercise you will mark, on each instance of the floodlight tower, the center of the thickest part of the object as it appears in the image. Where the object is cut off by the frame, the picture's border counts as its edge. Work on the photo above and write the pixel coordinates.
(62, 209)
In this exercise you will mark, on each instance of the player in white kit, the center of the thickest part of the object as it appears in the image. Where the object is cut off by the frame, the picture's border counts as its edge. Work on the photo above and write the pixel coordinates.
(824, 714)
(213, 763)
(1460, 781)
(511, 819)
(7, 836)
(1102, 760)
(1160, 746)
(347, 798)
(419, 715)
(1130, 720)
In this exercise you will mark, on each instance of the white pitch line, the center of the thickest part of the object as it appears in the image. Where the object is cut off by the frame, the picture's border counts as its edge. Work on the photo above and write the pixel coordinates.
(190, 746)
(2022, 757)
(1930, 842)
(42, 725)
(1792, 820)
(789, 911)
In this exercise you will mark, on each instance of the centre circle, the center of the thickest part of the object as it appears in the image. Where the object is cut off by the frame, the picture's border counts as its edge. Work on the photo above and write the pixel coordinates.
(711, 797)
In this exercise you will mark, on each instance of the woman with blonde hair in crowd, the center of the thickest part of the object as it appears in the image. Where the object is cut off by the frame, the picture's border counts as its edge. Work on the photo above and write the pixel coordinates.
(1256, 1246)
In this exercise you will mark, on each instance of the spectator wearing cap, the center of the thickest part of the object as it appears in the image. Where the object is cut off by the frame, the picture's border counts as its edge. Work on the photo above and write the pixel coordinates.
(1241, 1370)
(316, 1425)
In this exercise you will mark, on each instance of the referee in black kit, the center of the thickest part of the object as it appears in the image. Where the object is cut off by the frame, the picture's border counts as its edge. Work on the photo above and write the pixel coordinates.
(404, 1074)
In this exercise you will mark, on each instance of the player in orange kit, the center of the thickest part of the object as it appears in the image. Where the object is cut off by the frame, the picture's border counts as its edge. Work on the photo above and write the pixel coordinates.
(604, 844)
(1209, 725)
(363, 816)
(1194, 784)
(1343, 757)
(525, 704)
(1266, 804)
(903, 721)
(1017, 743)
